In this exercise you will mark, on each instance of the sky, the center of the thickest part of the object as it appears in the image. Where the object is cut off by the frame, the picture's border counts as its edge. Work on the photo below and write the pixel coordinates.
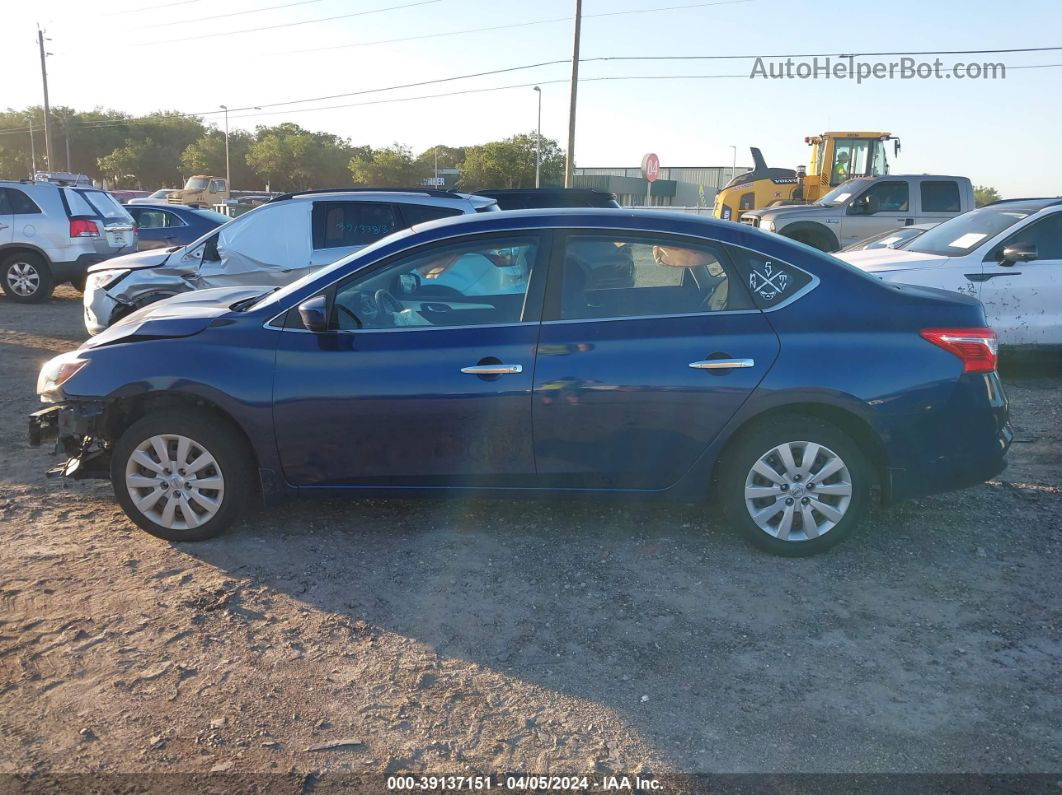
(139, 57)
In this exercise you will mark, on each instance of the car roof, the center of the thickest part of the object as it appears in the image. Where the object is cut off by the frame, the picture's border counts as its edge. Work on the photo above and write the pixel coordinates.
(1032, 205)
(605, 217)
(394, 194)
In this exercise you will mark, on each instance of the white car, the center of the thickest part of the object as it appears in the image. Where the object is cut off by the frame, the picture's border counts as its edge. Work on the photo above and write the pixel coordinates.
(1007, 254)
(158, 197)
(269, 246)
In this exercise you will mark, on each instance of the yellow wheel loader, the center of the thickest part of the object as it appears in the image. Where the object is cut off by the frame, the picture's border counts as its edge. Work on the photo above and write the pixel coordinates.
(835, 157)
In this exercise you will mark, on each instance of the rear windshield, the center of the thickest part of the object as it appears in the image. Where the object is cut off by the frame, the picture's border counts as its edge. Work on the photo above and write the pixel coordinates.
(210, 215)
(105, 206)
(960, 235)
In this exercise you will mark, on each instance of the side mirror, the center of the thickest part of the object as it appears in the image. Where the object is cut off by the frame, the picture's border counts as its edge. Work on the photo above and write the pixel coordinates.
(314, 313)
(1019, 252)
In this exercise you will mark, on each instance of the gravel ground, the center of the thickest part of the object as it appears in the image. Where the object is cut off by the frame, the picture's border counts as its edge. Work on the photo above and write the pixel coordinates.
(541, 636)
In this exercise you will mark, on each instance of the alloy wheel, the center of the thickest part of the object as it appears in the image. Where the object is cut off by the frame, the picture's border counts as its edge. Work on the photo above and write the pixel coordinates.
(174, 481)
(798, 491)
(23, 279)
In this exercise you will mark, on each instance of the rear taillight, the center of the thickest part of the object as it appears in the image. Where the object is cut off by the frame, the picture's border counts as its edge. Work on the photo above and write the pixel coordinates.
(84, 229)
(977, 347)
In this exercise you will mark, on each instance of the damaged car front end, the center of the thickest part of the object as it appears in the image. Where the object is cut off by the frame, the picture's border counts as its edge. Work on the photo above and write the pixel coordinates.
(75, 426)
(87, 404)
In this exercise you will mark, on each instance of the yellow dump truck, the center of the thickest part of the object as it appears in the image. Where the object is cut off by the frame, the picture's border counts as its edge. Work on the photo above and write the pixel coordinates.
(202, 190)
(835, 157)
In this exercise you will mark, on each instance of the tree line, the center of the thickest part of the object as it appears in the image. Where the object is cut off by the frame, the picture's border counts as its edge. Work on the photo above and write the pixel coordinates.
(162, 149)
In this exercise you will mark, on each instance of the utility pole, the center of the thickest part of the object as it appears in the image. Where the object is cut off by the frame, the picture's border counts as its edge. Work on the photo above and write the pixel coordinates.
(538, 142)
(33, 151)
(228, 181)
(569, 162)
(47, 122)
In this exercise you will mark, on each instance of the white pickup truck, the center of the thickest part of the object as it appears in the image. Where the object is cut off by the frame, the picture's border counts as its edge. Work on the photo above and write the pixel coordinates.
(866, 206)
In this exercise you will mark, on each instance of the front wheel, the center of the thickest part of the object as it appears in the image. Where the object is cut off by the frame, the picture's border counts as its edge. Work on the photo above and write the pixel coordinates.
(795, 485)
(181, 475)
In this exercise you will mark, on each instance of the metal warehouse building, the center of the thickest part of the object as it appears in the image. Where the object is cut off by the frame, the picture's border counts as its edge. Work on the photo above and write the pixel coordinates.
(677, 186)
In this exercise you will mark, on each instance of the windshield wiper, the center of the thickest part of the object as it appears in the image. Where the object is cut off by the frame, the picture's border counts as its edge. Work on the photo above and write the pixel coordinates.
(244, 303)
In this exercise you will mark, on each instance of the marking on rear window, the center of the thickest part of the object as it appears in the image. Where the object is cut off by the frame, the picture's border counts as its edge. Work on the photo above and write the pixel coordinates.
(769, 283)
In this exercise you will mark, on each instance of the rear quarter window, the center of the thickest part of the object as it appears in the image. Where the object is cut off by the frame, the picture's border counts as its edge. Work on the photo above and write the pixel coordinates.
(422, 213)
(769, 280)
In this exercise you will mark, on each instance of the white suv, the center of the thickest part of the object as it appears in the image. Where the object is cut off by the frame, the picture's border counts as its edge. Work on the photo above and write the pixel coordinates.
(271, 245)
(1008, 254)
(51, 233)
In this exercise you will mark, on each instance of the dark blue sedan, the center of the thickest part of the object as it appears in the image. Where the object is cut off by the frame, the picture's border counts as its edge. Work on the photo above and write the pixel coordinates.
(508, 353)
(167, 225)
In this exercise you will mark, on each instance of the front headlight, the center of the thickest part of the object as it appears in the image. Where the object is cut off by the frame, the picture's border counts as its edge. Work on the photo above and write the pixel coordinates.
(767, 225)
(101, 280)
(57, 372)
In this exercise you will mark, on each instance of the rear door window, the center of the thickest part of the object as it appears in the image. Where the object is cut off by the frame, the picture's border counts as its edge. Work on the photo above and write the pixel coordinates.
(616, 276)
(940, 197)
(19, 203)
(348, 224)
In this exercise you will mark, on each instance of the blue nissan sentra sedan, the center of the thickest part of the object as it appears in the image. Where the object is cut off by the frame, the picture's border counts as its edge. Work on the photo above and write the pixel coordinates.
(610, 351)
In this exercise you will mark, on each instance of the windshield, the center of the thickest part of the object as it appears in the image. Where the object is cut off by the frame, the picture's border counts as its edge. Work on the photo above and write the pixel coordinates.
(325, 272)
(106, 206)
(196, 183)
(842, 192)
(963, 233)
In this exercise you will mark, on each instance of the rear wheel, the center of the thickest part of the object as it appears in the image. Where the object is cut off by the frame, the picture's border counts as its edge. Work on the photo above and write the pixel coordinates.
(795, 485)
(181, 475)
(26, 278)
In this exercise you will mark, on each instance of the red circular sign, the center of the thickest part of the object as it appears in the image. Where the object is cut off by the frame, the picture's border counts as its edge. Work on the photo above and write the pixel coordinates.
(651, 167)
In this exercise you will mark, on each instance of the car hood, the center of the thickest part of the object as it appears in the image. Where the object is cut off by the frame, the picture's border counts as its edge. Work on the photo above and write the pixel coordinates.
(792, 211)
(151, 258)
(180, 316)
(882, 260)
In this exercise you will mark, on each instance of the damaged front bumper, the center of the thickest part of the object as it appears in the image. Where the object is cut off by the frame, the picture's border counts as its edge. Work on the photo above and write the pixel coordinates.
(76, 430)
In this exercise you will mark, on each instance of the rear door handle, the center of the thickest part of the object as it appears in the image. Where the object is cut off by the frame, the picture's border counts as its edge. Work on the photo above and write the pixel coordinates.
(493, 369)
(721, 364)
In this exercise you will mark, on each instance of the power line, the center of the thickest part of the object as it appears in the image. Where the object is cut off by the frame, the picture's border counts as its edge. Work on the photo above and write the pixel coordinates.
(817, 55)
(163, 117)
(509, 26)
(461, 92)
(150, 8)
(225, 16)
(287, 24)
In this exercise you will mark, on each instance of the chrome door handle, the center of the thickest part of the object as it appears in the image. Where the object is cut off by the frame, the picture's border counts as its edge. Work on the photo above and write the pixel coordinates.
(493, 369)
(721, 364)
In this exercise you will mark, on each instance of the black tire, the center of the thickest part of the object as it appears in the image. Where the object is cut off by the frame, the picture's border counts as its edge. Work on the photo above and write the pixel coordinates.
(233, 462)
(765, 437)
(19, 267)
(823, 240)
(79, 283)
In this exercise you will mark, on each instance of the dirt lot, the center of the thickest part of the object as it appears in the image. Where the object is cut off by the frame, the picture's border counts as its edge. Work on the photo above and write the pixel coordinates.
(493, 636)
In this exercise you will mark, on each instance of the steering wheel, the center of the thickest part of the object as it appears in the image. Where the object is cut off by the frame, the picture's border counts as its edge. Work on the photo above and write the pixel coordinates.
(387, 306)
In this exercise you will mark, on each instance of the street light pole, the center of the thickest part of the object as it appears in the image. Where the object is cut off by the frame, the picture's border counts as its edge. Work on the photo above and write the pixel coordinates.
(569, 162)
(47, 121)
(538, 141)
(228, 179)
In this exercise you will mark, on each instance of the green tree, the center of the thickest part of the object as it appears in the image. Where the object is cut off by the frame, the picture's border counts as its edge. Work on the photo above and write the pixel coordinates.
(391, 167)
(289, 157)
(511, 164)
(985, 195)
(206, 155)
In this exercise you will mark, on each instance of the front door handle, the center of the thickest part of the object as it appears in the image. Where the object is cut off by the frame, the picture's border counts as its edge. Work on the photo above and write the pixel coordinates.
(721, 364)
(493, 369)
